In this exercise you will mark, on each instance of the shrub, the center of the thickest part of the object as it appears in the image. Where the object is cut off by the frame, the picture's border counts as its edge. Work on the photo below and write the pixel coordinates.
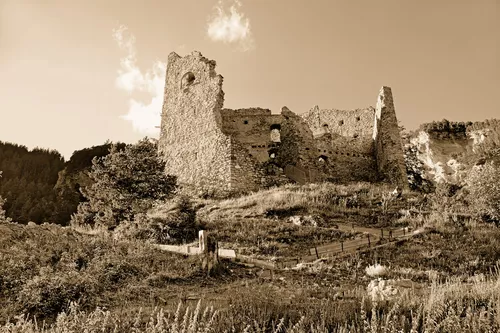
(173, 223)
(50, 292)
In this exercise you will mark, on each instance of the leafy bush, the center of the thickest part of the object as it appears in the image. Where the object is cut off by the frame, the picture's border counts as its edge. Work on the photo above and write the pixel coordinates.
(126, 182)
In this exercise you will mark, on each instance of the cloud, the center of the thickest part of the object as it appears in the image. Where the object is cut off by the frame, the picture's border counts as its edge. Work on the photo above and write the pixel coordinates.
(143, 116)
(231, 26)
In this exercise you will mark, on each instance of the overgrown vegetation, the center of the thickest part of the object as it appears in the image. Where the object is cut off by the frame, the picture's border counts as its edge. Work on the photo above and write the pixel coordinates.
(449, 307)
(445, 128)
(44, 268)
(263, 223)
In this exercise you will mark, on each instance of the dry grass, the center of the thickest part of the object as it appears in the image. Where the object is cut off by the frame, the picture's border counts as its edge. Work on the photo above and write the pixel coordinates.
(323, 198)
(449, 307)
(259, 224)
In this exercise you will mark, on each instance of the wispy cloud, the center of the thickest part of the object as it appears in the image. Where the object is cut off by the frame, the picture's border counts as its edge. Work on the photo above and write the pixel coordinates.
(230, 26)
(143, 116)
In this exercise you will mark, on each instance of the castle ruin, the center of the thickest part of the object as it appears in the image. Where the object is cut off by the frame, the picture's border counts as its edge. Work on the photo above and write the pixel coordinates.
(209, 147)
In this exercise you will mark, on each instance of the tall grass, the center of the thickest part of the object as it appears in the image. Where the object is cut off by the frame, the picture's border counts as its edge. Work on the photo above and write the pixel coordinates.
(449, 307)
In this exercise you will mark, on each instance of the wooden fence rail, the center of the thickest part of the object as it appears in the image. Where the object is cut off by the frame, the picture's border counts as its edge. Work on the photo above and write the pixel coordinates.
(318, 252)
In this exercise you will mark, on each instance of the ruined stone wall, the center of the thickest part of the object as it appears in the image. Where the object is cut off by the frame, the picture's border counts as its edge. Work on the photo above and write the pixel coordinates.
(388, 144)
(246, 171)
(349, 123)
(347, 159)
(297, 143)
(252, 128)
(191, 141)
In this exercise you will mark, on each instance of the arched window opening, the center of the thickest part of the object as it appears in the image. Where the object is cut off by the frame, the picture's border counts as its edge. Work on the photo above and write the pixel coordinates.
(245, 122)
(187, 80)
(275, 133)
(323, 159)
(358, 118)
(325, 128)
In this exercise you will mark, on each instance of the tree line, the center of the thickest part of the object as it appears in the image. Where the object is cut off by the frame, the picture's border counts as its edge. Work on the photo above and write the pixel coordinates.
(29, 179)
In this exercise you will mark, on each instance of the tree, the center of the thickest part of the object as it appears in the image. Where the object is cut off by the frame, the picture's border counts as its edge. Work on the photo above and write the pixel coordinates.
(126, 183)
(484, 188)
(3, 218)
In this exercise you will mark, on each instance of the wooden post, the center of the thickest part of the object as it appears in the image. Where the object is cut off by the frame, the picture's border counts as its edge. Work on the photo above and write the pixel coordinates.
(316, 249)
(342, 246)
(209, 250)
(369, 244)
(404, 231)
(390, 234)
(202, 239)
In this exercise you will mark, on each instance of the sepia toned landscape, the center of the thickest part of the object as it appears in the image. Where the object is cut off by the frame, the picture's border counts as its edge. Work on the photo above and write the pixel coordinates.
(202, 214)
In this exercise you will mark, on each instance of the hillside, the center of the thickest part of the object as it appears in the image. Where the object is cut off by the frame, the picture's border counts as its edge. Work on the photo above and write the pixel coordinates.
(49, 266)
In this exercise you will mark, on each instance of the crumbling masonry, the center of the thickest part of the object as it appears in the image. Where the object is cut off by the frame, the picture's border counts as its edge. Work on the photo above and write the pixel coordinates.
(211, 148)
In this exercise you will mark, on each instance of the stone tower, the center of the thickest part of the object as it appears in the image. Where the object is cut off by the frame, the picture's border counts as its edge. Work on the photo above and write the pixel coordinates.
(387, 141)
(191, 141)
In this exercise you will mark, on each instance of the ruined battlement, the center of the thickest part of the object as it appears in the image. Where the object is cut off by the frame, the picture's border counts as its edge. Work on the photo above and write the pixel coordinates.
(209, 147)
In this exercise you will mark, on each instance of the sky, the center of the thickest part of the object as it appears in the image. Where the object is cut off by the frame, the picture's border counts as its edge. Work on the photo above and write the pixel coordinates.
(75, 73)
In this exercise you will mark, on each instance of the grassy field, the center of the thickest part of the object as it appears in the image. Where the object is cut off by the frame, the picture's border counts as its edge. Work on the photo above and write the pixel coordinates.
(447, 278)
(260, 224)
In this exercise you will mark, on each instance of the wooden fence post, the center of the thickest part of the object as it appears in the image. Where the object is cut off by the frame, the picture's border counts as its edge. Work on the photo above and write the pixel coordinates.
(316, 249)
(369, 244)
(342, 246)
